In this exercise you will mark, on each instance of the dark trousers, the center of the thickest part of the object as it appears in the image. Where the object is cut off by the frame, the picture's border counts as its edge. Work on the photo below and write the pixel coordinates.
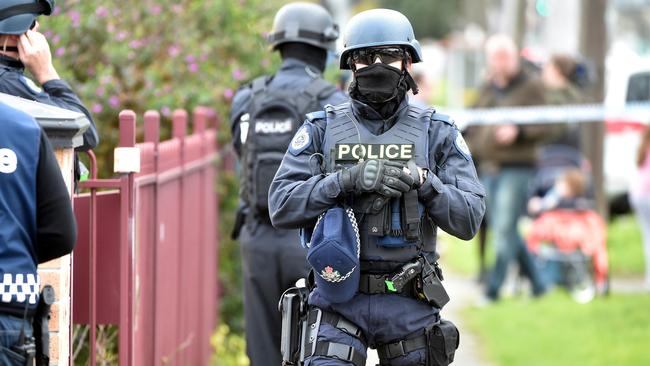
(272, 261)
(383, 318)
(10, 327)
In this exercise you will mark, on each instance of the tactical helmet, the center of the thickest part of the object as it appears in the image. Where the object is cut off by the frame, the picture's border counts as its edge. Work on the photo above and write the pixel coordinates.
(379, 27)
(305, 23)
(18, 16)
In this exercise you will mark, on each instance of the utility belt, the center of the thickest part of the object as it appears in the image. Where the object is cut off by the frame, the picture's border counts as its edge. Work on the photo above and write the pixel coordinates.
(418, 279)
(301, 323)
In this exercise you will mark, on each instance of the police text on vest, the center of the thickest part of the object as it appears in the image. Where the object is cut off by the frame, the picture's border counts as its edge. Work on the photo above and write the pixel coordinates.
(349, 152)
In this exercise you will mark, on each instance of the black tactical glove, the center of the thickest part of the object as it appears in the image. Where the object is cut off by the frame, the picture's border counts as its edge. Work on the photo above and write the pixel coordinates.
(414, 172)
(382, 176)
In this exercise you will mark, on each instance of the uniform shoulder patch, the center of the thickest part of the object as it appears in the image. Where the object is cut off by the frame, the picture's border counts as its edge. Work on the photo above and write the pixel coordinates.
(301, 140)
(315, 115)
(30, 85)
(461, 146)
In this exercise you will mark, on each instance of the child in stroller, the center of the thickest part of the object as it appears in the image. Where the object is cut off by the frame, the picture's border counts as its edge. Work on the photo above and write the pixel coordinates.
(567, 237)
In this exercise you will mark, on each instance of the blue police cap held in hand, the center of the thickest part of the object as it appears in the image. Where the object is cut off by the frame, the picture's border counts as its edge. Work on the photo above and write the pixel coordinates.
(334, 255)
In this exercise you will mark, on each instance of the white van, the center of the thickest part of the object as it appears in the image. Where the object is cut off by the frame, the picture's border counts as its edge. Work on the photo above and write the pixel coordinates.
(626, 83)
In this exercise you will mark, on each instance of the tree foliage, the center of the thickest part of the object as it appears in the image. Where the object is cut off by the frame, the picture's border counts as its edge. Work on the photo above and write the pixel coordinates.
(430, 18)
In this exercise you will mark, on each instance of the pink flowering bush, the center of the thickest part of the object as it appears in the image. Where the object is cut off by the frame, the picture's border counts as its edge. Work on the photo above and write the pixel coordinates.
(162, 55)
(157, 54)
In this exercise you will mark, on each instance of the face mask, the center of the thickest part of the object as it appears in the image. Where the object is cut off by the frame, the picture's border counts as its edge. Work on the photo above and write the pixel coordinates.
(378, 83)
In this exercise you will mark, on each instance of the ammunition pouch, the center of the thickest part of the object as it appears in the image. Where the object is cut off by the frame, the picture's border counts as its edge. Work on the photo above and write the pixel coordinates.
(440, 341)
(443, 340)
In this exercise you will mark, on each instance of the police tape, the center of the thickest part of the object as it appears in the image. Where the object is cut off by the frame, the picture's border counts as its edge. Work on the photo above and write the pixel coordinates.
(637, 112)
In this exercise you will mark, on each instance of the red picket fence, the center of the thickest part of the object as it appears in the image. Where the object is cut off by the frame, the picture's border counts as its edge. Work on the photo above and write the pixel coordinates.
(146, 257)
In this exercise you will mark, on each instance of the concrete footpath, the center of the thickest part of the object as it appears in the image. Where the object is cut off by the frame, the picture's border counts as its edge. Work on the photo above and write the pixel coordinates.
(464, 293)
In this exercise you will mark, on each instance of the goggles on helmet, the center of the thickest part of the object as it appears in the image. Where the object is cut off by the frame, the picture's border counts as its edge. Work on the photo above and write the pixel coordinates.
(368, 56)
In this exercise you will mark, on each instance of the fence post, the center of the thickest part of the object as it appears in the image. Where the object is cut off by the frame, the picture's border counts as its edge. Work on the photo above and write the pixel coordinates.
(127, 238)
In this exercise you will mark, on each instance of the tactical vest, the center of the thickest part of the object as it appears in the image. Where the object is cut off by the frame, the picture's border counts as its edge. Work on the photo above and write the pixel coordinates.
(271, 122)
(19, 151)
(346, 142)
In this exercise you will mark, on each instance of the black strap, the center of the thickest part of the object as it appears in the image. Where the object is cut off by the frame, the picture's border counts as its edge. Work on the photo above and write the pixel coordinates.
(401, 348)
(376, 284)
(340, 351)
(343, 324)
(259, 84)
(33, 8)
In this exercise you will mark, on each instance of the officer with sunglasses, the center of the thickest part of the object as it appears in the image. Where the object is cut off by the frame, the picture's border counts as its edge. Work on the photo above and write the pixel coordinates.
(404, 171)
(23, 47)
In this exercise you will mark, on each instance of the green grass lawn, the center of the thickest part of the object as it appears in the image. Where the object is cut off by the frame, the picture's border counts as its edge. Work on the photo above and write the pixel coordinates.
(557, 331)
(623, 245)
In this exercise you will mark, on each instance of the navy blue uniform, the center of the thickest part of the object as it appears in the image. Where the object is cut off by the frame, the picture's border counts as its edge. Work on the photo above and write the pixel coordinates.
(272, 259)
(36, 220)
(451, 196)
(54, 92)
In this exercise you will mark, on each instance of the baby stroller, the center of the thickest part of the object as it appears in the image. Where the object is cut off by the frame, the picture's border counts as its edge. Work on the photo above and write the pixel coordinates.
(567, 237)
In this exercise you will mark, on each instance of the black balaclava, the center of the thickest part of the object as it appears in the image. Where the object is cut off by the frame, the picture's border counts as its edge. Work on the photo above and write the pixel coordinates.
(314, 56)
(382, 87)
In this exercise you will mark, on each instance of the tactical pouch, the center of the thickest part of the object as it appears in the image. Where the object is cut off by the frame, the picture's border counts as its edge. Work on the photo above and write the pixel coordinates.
(266, 166)
(443, 340)
(430, 287)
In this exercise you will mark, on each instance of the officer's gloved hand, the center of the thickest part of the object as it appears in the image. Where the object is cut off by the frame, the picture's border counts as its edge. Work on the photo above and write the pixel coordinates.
(382, 176)
(416, 174)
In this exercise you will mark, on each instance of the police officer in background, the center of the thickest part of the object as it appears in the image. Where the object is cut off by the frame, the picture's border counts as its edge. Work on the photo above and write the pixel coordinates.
(265, 115)
(404, 171)
(36, 225)
(23, 47)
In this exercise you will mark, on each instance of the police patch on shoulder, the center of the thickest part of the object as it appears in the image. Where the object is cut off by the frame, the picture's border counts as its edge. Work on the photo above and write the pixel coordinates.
(461, 146)
(301, 140)
(30, 84)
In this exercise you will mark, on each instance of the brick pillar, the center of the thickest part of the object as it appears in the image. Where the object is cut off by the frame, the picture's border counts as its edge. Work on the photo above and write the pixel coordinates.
(57, 274)
(65, 130)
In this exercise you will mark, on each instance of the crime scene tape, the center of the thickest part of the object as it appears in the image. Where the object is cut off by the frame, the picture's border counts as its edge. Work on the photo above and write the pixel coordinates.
(639, 112)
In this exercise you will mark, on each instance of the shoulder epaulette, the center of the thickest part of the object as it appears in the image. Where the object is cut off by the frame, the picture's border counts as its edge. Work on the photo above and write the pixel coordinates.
(443, 118)
(312, 116)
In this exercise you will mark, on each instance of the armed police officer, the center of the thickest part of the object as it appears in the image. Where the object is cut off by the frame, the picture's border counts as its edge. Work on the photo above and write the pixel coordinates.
(390, 173)
(36, 225)
(265, 115)
(23, 47)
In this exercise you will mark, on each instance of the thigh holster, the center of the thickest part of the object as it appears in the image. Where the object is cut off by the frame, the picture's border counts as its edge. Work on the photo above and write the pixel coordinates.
(311, 346)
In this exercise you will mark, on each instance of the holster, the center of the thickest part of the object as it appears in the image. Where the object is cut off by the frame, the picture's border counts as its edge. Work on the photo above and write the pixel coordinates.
(429, 286)
(240, 219)
(294, 308)
(443, 340)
